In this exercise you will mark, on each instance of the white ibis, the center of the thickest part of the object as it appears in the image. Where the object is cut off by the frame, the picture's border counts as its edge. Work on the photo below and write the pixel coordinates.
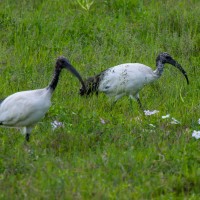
(128, 79)
(24, 109)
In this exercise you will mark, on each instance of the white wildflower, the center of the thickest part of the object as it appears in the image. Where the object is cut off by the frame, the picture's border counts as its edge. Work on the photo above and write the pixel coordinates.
(166, 116)
(152, 125)
(102, 120)
(148, 112)
(56, 124)
(196, 134)
(175, 121)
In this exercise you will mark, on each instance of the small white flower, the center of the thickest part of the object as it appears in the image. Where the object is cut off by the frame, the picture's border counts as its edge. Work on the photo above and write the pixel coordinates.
(152, 125)
(175, 121)
(196, 134)
(102, 120)
(56, 124)
(148, 112)
(166, 116)
(199, 121)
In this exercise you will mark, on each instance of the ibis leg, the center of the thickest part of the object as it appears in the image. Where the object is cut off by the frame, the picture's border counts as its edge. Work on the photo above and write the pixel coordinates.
(27, 137)
(139, 102)
(131, 97)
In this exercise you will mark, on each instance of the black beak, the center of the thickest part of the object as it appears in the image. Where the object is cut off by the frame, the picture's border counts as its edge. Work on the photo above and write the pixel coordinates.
(177, 65)
(74, 72)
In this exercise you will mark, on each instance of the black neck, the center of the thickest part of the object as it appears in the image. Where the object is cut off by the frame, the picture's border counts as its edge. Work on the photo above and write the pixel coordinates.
(54, 80)
(159, 69)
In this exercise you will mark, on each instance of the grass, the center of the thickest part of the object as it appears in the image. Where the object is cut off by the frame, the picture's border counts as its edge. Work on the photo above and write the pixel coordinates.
(101, 153)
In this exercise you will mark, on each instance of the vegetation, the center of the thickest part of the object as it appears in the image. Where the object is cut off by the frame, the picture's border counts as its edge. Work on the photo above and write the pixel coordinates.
(99, 152)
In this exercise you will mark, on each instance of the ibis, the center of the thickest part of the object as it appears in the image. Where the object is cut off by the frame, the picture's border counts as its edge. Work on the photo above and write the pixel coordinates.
(128, 79)
(24, 109)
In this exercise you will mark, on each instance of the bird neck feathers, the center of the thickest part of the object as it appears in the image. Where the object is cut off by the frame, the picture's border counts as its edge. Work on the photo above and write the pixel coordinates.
(160, 68)
(55, 79)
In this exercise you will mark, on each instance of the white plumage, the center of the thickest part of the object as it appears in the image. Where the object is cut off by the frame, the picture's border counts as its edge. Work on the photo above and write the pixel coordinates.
(128, 79)
(24, 109)
(125, 79)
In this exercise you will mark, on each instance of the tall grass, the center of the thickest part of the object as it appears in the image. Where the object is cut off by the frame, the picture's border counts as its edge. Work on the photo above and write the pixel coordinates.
(101, 153)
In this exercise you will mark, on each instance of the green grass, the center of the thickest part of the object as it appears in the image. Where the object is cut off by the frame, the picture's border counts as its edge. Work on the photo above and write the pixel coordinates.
(125, 158)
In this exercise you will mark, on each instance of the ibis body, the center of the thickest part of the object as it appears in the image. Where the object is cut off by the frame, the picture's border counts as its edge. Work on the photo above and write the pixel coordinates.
(24, 109)
(128, 79)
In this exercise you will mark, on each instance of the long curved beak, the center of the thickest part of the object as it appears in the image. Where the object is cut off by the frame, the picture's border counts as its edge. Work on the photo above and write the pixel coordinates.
(75, 73)
(183, 72)
(178, 66)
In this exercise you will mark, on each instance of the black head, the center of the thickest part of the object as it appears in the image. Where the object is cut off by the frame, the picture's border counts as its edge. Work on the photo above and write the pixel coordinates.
(91, 86)
(87, 89)
(62, 62)
(167, 58)
(82, 91)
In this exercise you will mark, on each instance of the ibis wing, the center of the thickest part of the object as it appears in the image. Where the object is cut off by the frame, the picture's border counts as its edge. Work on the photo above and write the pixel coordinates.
(23, 109)
(1, 100)
(127, 78)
